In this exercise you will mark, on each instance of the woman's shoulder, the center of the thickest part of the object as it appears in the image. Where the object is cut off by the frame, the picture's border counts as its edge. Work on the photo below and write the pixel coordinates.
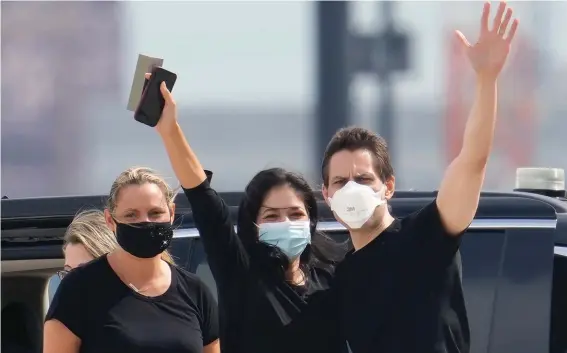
(188, 280)
(88, 275)
(78, 293)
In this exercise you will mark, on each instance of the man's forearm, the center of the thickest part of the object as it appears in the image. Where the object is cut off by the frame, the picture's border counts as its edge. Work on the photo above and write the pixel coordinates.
(479, 130)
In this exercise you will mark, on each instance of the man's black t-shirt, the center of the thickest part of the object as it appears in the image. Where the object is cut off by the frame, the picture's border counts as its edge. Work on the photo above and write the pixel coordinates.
(108, 316)
(256, 315)
(402, 292)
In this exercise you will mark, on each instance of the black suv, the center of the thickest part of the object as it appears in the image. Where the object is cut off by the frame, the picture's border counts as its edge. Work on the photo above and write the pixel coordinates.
(514, 264)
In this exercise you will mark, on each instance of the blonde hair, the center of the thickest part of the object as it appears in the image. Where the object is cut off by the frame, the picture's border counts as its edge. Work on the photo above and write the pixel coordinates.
(89, 229)
(140, 176)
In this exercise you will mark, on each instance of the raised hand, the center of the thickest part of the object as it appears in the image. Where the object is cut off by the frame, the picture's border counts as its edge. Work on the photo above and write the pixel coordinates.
(491, 50)
(168, 120)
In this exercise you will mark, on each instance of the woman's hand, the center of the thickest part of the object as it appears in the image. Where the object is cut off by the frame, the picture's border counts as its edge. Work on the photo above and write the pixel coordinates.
(183, 160)
(168, 119)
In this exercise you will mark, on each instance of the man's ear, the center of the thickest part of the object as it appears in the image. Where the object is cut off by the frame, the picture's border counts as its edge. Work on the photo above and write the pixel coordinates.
(325, 193)
(109, 220)
(172, 212)
(390, 187)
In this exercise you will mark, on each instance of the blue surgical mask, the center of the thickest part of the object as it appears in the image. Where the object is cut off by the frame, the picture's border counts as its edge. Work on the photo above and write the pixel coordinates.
(290, 237)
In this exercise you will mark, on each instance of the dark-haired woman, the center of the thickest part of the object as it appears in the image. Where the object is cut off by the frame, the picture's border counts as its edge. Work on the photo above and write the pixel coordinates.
(267, 274)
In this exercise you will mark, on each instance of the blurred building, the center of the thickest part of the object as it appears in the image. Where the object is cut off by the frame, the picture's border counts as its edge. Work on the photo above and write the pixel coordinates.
(246, 88)
(56, 56)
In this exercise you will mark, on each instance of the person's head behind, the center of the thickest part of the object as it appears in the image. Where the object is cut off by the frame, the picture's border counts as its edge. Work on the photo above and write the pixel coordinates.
(86, 238)
(359, 156)
(275, 196)
(139, 196)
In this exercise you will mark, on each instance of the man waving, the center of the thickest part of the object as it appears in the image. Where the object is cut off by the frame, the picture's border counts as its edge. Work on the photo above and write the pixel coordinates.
(399, 291)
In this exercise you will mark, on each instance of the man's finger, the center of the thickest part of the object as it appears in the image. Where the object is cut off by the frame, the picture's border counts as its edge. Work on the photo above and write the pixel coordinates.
(498, 17)
(147, 76)
(513, 30)
(506, 22)
(462, 39)
(484, 18)
(166, 94)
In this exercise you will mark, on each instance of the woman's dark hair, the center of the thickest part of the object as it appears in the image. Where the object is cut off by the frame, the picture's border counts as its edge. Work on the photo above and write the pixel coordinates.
(270, 261)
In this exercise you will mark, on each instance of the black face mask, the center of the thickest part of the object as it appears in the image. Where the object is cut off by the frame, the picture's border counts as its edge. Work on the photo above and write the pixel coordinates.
(144, 239)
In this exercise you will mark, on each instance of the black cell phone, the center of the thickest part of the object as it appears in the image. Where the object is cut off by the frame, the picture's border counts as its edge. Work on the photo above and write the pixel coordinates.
(152, 102)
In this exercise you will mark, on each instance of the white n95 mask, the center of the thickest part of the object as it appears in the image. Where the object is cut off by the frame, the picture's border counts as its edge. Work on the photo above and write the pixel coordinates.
(355, 203)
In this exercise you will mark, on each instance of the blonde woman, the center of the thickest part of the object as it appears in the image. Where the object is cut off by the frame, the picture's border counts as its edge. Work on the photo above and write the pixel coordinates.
(131, 300)
(88, 238)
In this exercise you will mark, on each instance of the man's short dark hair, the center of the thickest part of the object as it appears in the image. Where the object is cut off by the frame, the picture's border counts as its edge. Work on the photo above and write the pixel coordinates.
(356, 138)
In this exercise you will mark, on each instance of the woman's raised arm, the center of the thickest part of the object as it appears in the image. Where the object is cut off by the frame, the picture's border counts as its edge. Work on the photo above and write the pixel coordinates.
(211, 214)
